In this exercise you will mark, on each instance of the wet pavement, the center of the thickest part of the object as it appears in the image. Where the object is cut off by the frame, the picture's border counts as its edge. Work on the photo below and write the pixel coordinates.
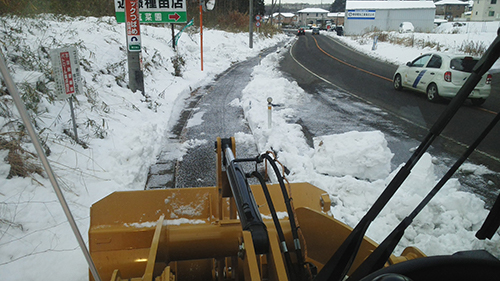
(208, 114)
(332, 111)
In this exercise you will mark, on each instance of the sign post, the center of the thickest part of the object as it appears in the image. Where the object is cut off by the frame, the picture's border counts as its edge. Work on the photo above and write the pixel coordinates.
(134, 54)
(133, 12)
(67, 75)
(210, 4)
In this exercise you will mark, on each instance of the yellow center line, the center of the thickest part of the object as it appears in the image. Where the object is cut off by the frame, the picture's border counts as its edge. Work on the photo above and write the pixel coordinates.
(376, 75)
(486, 110)
(350, 65)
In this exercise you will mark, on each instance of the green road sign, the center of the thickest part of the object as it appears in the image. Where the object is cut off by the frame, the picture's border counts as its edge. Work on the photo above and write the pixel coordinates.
(134, 48)
(157, 17)
(155, 11)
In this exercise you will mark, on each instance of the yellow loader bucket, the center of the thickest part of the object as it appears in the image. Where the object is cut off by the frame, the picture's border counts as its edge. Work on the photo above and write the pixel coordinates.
(197, 233)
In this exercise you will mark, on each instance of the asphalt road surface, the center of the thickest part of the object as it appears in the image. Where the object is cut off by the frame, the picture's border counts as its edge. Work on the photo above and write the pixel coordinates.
(207, 115)
(340, 76)
(350, 91)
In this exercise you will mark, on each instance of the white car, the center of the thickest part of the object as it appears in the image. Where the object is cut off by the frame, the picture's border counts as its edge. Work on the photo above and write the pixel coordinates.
(441, 75)
(406, 27)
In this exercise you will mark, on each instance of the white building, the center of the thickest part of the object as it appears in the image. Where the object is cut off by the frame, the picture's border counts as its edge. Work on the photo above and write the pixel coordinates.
(285, 18)
(365, 16)
(486, 10)
(312, 16)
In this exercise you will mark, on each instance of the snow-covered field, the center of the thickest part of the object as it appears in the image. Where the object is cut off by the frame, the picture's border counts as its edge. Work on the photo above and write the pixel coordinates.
(125, 132)
(448, 36)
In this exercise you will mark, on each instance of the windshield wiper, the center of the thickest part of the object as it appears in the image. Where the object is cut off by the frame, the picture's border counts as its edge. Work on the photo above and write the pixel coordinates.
(339, 264)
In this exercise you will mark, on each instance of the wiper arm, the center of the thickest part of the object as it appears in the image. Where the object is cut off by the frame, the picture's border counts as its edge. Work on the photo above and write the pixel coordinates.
(338, 265)
(382, 253)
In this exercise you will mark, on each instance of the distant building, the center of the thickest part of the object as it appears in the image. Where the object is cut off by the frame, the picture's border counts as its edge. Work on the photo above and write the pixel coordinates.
(364, 16)
(336, 18)
(451, 9)
(285, 18)
(486, 10)
(310, 16)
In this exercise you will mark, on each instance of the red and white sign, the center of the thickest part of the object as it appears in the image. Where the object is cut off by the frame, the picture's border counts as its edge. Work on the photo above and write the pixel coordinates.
(257, 23)
(133, 27)
(66, 72)
(258, 18)
(69, 84)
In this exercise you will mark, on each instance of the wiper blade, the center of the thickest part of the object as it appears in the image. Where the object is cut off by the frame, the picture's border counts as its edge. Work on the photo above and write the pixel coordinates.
(492, 222)
(382, 253)
(338, 265)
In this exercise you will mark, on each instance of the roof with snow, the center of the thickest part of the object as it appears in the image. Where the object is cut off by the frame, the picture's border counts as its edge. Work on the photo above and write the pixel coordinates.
(389, 5)
(342, 14)
(313, 10)
(286, 15)
(451, 2)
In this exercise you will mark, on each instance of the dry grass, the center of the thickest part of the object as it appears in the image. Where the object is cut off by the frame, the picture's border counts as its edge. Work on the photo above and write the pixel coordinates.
(473, 48)
(22, 163)
(409, 40)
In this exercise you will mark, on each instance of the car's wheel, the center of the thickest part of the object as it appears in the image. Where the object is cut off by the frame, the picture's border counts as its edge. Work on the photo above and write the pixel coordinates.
(397, 83)
(432, 93)
(478, 102)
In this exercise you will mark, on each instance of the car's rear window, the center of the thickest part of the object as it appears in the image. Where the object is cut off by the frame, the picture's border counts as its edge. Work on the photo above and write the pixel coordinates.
(463, 64)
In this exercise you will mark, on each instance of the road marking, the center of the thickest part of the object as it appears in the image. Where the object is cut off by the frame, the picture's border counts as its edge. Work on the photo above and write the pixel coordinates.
(388, 111)
(371, 73)
(350, 65)
(486, 110)
(350, 93)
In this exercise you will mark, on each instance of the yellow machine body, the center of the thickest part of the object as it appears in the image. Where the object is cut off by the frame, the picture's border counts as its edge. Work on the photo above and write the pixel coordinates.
(195, 234)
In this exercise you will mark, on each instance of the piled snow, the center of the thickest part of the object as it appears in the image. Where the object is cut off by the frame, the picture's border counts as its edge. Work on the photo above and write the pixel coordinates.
(125, 132)
(447, 225)
(333, 155)
(449, 35)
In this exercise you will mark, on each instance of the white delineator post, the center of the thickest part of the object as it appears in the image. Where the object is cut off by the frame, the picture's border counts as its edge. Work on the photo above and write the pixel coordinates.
(269, 112)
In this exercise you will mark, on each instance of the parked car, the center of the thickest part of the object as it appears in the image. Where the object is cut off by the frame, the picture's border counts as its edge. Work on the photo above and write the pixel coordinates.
(441, 75)
(315, 31)
(301, 31)
(406, 27)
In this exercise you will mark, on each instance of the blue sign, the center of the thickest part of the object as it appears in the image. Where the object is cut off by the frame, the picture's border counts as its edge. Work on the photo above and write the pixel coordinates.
(361, 14)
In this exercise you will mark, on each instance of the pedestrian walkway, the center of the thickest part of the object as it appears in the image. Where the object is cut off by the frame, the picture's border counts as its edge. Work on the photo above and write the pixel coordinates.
(210, 107)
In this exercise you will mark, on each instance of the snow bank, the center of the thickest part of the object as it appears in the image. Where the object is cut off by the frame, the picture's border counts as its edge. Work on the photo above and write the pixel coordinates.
(363, 155)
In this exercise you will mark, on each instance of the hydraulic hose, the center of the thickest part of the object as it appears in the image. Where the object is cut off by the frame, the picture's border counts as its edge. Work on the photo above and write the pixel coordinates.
(290, 212)
(276, 221)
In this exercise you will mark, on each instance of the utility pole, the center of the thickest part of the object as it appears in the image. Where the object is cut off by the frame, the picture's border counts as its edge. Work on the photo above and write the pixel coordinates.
(201, 33)
(250, 24)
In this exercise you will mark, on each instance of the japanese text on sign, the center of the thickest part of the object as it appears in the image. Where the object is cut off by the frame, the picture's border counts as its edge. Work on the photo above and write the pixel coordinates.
(69, 84)
(66, 69)
(156, 11)
(156, 4)
(133, 26)
(361, 14)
